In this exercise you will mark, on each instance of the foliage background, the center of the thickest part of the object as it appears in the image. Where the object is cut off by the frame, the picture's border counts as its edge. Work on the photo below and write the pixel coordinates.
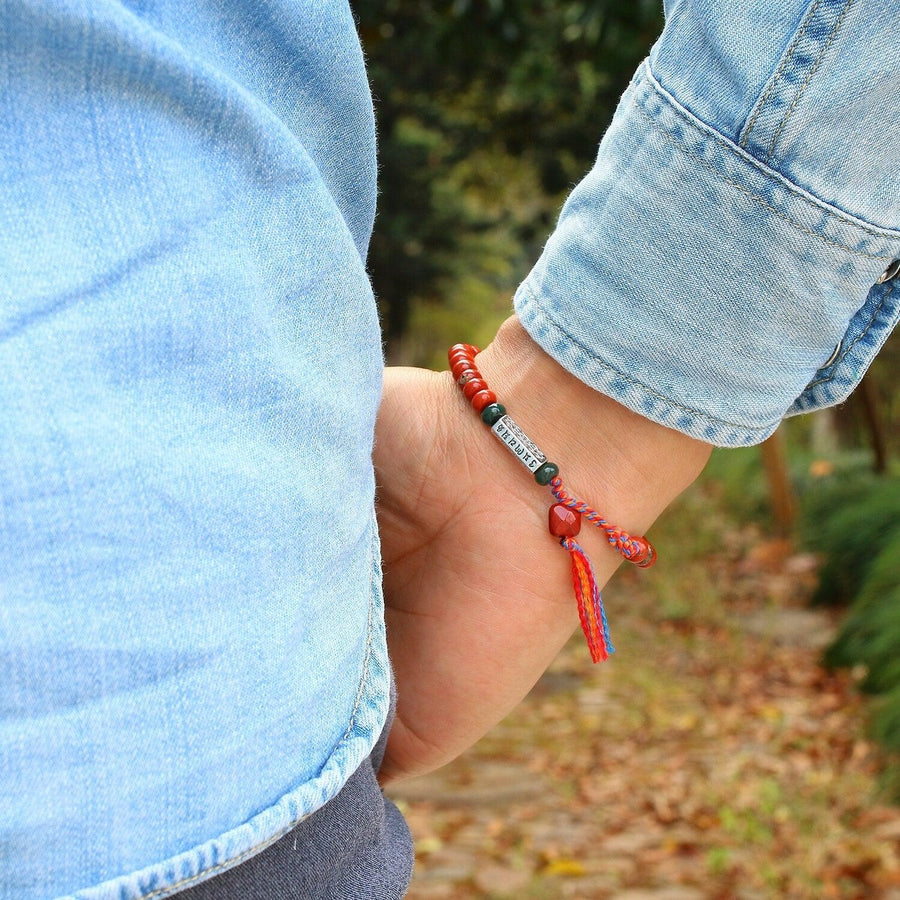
(488, 114)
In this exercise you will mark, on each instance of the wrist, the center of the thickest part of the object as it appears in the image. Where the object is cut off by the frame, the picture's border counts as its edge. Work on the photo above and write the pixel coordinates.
(627, 466)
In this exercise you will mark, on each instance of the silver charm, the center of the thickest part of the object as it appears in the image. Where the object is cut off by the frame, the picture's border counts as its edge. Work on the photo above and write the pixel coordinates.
(519, 444)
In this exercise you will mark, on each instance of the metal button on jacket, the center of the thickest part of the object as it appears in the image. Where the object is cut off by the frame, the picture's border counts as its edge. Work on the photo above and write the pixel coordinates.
(889, 272)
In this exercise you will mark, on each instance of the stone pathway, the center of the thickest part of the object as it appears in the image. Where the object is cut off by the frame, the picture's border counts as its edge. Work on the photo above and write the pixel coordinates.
(711, 758)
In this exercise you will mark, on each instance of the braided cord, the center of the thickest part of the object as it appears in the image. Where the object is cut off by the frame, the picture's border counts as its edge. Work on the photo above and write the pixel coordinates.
(629, 547)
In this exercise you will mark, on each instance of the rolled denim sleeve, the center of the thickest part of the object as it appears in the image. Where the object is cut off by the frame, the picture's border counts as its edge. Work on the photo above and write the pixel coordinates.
(725, 263)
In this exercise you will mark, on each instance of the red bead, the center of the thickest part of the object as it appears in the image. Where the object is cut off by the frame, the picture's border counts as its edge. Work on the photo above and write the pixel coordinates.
(471, 388)
(483, 399)
(466, 375)
(564, 522)
(646, 556)
(454, 355)
(468, 350)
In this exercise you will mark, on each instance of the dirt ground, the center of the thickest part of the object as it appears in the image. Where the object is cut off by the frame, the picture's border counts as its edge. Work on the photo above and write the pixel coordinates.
(711, 757)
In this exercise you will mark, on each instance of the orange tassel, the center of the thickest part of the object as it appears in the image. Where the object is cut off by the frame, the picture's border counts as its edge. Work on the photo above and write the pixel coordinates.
(590, 603)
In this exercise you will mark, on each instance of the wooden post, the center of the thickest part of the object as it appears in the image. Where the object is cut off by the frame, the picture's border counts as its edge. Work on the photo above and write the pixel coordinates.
(781, 492)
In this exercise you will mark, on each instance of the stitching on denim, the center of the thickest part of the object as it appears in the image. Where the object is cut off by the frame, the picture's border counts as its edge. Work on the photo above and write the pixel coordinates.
(754, 197)
(365, 672)
(673, 106)
(815, 68)
(228, 862)
(552, 323)
(760, 106)
(854, 342)
(260, 847)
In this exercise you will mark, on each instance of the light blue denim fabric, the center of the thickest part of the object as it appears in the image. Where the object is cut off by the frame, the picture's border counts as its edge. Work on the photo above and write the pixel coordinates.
(192, 652)
(717, 268)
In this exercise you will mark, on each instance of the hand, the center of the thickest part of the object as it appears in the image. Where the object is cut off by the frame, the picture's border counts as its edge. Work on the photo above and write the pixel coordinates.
(478, 594)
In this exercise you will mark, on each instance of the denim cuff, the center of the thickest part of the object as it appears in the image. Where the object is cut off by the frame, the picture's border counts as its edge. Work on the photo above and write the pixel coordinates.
(701, 288)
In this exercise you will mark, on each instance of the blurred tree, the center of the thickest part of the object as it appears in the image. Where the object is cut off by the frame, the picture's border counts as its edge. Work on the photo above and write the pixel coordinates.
(872, 414)
(488, 113)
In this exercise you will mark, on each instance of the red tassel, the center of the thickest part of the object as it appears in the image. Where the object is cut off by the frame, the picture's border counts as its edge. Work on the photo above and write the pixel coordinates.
(590, 603)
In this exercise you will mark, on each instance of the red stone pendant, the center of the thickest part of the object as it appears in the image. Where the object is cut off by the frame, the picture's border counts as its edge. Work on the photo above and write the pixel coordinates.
(564, 522)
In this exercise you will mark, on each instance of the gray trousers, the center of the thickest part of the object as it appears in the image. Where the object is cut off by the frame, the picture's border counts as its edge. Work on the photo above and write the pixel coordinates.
(356, 847)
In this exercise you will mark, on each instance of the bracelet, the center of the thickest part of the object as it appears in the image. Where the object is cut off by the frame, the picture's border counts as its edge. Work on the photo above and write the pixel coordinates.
(565, 515)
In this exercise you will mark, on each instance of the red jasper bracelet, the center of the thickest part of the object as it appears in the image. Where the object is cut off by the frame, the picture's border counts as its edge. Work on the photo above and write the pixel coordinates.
(565, 515)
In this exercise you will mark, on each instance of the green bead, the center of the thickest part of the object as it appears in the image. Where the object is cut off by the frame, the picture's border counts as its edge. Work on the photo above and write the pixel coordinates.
(492, 413)
(546, 473)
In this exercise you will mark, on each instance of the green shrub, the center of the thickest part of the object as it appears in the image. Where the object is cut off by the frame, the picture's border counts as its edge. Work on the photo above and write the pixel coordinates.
(871, 634)
(885, 725)
(856, 524)
(850, 522)
(737, 474)
(886, 721)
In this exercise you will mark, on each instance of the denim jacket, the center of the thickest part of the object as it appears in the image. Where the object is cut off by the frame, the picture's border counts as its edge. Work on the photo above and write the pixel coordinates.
(718, 268)
(192, 652)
